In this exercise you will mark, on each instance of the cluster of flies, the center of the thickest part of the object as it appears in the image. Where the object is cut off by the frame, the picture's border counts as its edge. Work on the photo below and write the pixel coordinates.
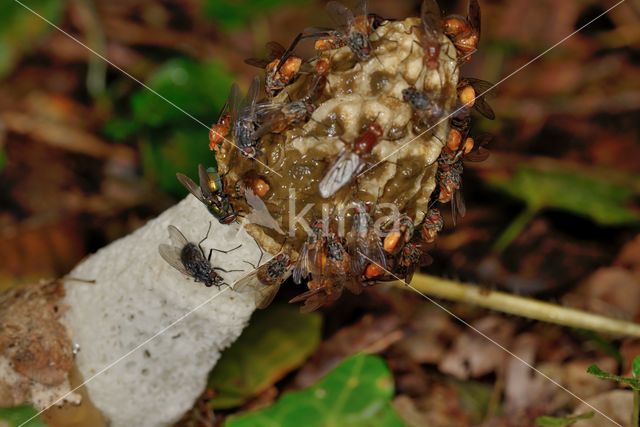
(328, 261)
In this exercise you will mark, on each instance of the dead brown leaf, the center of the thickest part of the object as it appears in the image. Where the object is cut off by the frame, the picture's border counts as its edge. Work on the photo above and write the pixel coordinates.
(473, 355)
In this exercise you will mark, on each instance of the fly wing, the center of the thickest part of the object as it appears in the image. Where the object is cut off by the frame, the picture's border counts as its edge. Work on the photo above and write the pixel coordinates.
(340, 14)
(261, 293)
(482, 107)
(313, 300)
(226, 109)
(204, 182)
(479, 152)
(268, 125)
(458, 206)
(171, 255)
(375, 250)
(431, 18)
(177, 237)
(473, 16)
(249, 103)
(233, 103)
(482, 89)
(257, 62)
(317, 32)
(340, 173)
(259, 214)
(361, 9)
(301, 269)
(191, 186)
(270, 116)
(275, 49)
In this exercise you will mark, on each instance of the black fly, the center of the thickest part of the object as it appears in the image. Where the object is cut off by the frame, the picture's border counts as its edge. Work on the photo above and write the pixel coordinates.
(190, 260)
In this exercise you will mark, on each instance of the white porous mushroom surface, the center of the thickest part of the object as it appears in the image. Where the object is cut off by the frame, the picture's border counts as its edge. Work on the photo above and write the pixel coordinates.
(136, 295)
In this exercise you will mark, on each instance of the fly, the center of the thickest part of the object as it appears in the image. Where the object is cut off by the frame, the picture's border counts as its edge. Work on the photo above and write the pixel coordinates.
(464, 32)
(450, 168)
(365, 246)
(210, 193)
(424, 108)
(264, 282)
(245, 121)
(189, 258)
(353, 29)
(276, 118)
(471, 93)
(350, 161)
(401, 232)
(221, 129)
(321, 293)
(432, 30)
(281, 68)
(431, 225)
(411, 257)
(308, 252)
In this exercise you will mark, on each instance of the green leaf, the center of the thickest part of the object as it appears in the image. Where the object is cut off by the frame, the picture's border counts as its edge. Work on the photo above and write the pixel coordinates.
(634, 383)
(574, 191)
(17, 415)
(180, 151)
(199, 89)
(120, 128)
(356, 393)
(233, 14)
(276, 341)
(546, 421)
(21, 30)
(635, 367)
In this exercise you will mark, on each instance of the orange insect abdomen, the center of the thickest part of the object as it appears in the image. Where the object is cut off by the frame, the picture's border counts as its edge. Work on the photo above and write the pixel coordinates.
(219, 132)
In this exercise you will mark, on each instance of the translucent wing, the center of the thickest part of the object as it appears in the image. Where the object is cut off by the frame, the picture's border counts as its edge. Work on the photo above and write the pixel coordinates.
(340, 173)
(301, 269)
(262, 294)
(479, 153)
(269, 124)
(313, 300)
(458, 206)
(375, 250)
(191, 186)
(249, 103)
(482, 89)
(269, 115)
(226, 109)
(340, 14)
(177, 237)
(257, 62)
(259, 214)
(233, 103)
(473, 16)
(361, 8)
(317, 32)
(275, 49)
(204, 182)
(431, 18)
(171, 255)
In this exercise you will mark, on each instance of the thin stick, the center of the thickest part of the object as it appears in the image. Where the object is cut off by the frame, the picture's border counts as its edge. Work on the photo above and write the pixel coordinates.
(520, 306)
